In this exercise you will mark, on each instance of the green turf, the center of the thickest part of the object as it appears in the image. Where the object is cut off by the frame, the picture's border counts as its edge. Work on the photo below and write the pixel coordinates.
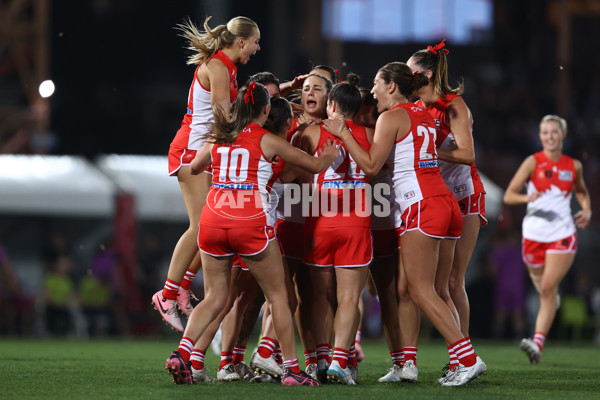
(54, 369)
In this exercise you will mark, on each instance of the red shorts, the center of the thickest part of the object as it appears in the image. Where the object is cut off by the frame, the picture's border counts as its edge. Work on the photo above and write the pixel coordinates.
(386, 242)
(179, 157)
(348, 246)
(221, 242)
(436, 216)
(239, 263)
(290, 236)
(534, 253)
(474, 205)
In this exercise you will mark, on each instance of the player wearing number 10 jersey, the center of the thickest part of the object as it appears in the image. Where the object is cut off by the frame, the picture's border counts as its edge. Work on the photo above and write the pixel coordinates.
(235, 222)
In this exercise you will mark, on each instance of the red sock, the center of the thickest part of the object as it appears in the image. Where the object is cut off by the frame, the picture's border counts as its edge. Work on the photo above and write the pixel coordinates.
(324, 352)
(341, 356)
(226, 358)
(186, 346)
(266, 347)
(397, 357)
(197, 358)
(278, 355)
(310, 357)
(464, 351)
(170, 290)
(453, 359)
(292, 365)
(238, 354)
(410, 353)
(352, 360)
(187, 279)
(539, 338)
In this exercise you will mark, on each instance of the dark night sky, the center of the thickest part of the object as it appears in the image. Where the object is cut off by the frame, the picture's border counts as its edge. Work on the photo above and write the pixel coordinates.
(121, 76)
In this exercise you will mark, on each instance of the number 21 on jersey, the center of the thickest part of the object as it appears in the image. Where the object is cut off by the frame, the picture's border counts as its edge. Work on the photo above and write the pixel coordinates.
(428, 144)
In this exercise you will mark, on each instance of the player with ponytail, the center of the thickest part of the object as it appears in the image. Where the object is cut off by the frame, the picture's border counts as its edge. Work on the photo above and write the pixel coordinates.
(216, 52)
(235, 221)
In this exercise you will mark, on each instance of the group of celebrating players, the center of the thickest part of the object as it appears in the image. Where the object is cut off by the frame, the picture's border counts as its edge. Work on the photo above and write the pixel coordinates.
(239, 154)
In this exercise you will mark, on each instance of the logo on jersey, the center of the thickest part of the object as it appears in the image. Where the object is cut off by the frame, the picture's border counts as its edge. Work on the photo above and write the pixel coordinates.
(437, 124)
(548, 173)
(428, 164)
(238, 186)
(409, 195)
(565, 175)
(344, 184)
(460, 188)
(229, 199)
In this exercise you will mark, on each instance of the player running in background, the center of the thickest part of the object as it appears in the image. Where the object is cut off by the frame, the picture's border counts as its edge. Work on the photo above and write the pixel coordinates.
(549, 231)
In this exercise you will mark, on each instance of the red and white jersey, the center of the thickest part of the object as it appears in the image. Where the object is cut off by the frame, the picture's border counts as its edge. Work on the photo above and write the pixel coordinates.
(549, 218)
(340, 196)
(414, 161)
(462, 180)
(239, 195)
(197, 121)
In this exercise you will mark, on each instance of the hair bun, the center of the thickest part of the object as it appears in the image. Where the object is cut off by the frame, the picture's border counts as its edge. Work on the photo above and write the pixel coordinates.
(352, 79)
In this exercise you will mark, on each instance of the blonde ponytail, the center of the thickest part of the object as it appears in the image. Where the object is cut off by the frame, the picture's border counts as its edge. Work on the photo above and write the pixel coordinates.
(205, 44)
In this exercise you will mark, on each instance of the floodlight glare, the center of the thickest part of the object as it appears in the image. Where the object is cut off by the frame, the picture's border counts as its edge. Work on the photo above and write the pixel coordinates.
(46, 88)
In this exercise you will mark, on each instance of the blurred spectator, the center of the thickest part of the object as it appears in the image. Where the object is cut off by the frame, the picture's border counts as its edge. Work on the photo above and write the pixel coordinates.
(152, 265)
(509, 273)
(58, 289)
(102, 292)
(15, 304)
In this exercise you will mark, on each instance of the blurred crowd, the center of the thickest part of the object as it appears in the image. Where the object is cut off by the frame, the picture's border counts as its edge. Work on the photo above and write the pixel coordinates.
(86, 299)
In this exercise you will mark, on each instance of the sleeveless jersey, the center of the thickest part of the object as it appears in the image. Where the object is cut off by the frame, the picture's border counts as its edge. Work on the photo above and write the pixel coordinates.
(549, 218)
(199, 116)
(239, 195)
(462, 180)
(414, 162)
(340, 195)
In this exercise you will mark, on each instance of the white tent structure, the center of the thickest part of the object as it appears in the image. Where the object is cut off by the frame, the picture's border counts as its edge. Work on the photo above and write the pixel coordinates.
(54, 185)
(157, 195)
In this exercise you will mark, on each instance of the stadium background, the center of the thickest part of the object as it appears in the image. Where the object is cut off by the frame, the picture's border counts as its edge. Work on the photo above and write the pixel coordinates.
(121, 82)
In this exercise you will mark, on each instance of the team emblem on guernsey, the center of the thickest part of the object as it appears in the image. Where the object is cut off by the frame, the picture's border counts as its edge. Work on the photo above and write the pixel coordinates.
(460, 188)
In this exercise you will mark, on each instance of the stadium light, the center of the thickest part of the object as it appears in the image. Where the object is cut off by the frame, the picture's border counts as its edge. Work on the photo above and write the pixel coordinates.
(46, 88)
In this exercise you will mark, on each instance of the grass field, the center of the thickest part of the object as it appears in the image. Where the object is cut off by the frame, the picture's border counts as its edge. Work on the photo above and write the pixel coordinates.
(128, 369)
